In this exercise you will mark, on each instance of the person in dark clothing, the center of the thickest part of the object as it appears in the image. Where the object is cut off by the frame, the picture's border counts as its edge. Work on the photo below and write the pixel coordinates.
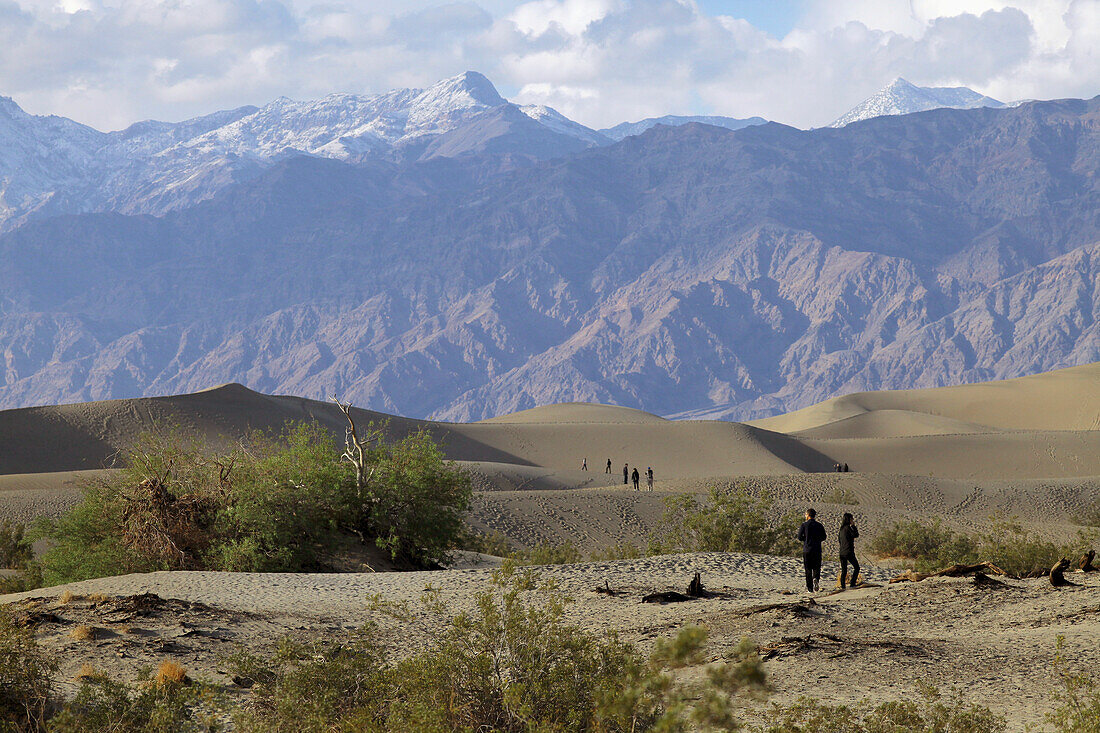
(847, 537)
(626, 473)
(635, 477)
(584, 464)
(845, 468)
(811, 534)
(608, 466)
(649, 477)
(836, 467)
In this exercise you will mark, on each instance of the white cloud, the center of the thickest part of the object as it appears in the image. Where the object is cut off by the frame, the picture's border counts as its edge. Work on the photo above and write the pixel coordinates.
(110, 62)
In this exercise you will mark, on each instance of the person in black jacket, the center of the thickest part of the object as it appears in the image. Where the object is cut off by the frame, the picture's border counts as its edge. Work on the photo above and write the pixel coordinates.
(847, 537)
(811, 534)
(635, 477)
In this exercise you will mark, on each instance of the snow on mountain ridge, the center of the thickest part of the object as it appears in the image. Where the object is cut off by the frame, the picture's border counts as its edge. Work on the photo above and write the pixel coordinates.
(901, 97)
(55, 165)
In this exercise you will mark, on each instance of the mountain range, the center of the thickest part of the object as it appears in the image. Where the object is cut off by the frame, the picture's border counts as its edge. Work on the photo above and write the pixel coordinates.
(483, 258)
(901, 97)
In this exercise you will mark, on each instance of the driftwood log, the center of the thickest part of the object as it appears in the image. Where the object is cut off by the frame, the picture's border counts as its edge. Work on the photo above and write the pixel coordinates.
(1057, 573)
(955, 571)
(1085, 564)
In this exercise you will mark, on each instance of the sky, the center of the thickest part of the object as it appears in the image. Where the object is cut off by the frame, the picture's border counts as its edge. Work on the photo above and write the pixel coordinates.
(108, 63)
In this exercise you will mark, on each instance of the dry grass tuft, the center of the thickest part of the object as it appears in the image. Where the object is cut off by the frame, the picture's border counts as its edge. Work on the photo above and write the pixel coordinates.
(86, 672)
(170, 673)
(67, 597)
(83, 633)
(98, 598)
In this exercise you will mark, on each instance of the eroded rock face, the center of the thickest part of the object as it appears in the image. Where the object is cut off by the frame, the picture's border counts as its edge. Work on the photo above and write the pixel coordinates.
(689, 271)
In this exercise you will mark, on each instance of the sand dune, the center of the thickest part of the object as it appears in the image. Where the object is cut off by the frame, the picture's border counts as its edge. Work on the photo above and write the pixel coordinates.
(1067, 399)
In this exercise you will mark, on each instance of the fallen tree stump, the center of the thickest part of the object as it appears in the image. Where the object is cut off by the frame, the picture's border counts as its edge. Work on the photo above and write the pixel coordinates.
(668, 596)
(696, 589)
(606, 589)
(1057, 574)
(1085, 565)
(955, 571)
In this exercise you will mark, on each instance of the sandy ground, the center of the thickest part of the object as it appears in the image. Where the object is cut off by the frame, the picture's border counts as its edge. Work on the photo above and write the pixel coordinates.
(1027, 448)
(876, 642)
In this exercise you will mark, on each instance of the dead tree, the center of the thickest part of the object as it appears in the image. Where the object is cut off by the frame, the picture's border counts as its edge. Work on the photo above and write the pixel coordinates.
(1085, 565)
(696, 589)
(355, 448)
(1057, 573)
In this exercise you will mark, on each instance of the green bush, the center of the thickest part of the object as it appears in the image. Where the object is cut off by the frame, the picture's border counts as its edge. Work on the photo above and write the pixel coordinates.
(273, 503)
(25, 670)
(1077, 696)
(730, 521)
(1008, 545)
(102, 704)
(931, 546)
(512, 664)
(930, 713)
(15, 548)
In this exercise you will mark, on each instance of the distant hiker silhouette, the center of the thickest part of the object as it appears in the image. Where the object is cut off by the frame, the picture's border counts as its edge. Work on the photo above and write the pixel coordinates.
(845, 468)
(626, 473)
(608, 466)
(634, 477)
(584, 464)
(847, 538)
(811, 534)
(649, 477)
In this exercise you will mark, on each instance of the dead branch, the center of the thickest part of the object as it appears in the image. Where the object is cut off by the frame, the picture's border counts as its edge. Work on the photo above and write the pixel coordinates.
(355, 448)
(795, 608)
(954, 571)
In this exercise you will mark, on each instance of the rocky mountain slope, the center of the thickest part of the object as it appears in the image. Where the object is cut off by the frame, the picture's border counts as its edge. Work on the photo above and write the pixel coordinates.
(52, 166)
(900, 97)
(626, 129)
(688, 271)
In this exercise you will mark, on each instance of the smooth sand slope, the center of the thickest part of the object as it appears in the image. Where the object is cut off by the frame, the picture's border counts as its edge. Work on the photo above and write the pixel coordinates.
(979, 448)
(1067, 399)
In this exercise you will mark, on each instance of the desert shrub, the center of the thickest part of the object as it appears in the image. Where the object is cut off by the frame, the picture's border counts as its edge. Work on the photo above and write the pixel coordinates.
(1077, 696)
(416, 501)
(15, 548)
(512, 664)
(1008, 545)
(730, 521)
(103, 704)
(317, 687)
(930, 545)
(488, 543)
(25, 670)
(619, 551)
(929, 713)
(1023, 553)
(272, 503)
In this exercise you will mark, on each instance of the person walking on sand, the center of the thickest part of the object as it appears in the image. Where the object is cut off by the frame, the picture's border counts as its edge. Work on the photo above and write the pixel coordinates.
(635, 477)
(608, 470)
(626, 473)
(847, 538)
(811, 534)
(584, 463)
(649, 477)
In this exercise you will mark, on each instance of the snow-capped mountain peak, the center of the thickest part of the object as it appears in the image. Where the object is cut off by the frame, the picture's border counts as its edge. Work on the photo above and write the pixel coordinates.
(901, 97)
